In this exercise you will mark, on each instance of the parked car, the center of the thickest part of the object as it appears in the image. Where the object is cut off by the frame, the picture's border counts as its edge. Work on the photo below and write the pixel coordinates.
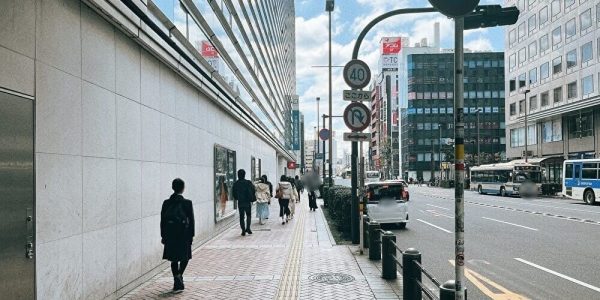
(387, 202)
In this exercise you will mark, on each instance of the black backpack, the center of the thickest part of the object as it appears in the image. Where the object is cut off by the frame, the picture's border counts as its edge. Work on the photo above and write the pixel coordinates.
(175, 219)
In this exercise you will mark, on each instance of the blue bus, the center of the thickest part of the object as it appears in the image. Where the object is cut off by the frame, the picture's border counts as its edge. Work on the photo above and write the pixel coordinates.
(581, 180)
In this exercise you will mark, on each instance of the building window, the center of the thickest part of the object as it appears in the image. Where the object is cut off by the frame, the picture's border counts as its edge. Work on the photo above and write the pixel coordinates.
(517, 137)
(513, 109)
(543, 15)
(532, 50)
(555, 7)
(544, 43)
(545, 99)
(522, 80)
(513, 84)
(532, 103)
(587, 52)
(570, 28)
(571, 58)
(512, 60)
(585, 20)
(568, 3)
(581, 125)
(522, 55)
(420, 157)
(545, 70)
(531, 23)
(512, 37)
(556, 36)
(598, 12)
(557, 65)
(572, 90)
(552, 131)
(532, 135)
(557, 94)
(587, 85)
(522, 107)
(533, 76)
(521, 30)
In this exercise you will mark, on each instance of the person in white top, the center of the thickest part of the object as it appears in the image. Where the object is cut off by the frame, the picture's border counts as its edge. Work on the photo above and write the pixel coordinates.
(263, 197)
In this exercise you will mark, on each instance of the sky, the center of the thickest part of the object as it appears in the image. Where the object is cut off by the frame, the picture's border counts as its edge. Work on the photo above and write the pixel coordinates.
(348, 19)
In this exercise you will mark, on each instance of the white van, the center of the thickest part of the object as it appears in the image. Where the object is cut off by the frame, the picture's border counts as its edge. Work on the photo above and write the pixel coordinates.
(387, 202)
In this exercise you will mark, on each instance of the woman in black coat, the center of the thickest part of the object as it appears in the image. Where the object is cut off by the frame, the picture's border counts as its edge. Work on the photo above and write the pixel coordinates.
(177, 232)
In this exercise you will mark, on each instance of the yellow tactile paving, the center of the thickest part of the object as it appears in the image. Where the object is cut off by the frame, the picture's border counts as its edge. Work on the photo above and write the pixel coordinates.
(289, 286)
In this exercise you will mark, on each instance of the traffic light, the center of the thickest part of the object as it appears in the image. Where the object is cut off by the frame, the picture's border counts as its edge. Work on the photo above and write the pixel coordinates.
(454, 8)
(491, 16)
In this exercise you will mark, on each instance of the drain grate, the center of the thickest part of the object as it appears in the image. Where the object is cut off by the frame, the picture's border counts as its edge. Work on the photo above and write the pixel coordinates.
(331, 278)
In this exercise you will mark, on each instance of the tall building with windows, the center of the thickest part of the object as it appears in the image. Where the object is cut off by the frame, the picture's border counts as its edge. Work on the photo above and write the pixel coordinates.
(553, 77)
(428, 125)
(103, 103)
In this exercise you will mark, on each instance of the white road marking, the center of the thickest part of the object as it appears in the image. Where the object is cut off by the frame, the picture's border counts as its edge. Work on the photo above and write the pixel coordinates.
(550, 206)
(587, 285)
(508, 223)
(435, 226)
(438, 207)
(439, 214)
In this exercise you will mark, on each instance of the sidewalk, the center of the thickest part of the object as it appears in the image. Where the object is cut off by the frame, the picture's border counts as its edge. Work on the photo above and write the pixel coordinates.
(298, 260)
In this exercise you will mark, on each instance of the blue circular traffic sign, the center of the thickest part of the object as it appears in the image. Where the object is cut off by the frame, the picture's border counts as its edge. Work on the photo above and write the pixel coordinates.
(324, 134)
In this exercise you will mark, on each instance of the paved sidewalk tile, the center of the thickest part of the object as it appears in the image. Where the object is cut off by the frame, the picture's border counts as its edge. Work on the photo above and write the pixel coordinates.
(298, 260)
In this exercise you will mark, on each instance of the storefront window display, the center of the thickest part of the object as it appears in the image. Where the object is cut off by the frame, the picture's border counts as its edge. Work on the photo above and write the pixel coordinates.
(225, 170)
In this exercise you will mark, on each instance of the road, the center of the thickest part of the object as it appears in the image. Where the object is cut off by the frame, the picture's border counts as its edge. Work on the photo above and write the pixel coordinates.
(543, 248)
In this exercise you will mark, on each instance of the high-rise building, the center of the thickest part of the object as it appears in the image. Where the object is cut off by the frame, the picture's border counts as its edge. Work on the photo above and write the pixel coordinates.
(428, 125)
(103, 103)
(553, 53)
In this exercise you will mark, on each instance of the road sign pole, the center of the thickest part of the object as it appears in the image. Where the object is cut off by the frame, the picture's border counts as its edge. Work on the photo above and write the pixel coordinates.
(355, 232)
(459, 155)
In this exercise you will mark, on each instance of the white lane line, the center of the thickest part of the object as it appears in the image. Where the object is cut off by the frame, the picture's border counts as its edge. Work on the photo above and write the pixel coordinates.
(438, 207)
(549, 206)
(587, 285)
(439, 214)
(508, 223)
(435, 226)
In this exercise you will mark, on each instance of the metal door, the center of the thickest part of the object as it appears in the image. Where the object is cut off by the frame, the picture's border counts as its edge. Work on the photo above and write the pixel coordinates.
(17, 265)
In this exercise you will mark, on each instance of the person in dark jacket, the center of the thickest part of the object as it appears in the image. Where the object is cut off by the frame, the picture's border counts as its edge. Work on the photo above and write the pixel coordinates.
(245, 193)
(177, 232)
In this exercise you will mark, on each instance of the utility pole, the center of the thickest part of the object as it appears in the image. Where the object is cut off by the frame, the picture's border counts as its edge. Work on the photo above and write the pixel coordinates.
(317, 133)
(325, 152)
(478, 141)
(329, 6)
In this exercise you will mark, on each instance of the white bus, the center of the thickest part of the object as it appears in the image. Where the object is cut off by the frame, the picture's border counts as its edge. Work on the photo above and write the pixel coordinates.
(371, 176)
(507, 179)
(581, 180)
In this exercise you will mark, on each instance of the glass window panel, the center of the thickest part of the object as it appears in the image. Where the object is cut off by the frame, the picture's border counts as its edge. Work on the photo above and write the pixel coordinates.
(545, 99)
(585, 19)
(572, 90)
(556, 36)
(571, 58)
(531, 23)
(587, 52)
(544, 45)
(543, 15)
(532, 49)
(570, 28)
(533, 76)
(555, 7)
(557, 65)
(587, 84)
(545, 70)
(522, 55)
(557, 94)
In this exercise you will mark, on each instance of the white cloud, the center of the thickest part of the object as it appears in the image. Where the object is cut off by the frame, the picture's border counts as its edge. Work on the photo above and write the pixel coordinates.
(480, 44)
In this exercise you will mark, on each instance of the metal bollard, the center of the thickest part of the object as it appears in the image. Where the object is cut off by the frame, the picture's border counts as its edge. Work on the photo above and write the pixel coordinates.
(374, 241)
(388, 254)
(411, 274)
(448, 290)
(365, 232)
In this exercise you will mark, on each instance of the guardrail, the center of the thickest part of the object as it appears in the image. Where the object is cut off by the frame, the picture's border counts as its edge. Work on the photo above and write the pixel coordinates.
(382, 246)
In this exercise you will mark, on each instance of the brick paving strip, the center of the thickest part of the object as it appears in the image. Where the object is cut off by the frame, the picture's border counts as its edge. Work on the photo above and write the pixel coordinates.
(298, 260)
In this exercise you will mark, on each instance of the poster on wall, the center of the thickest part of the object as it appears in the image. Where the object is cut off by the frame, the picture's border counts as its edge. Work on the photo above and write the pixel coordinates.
(224, 177)
(209, 52)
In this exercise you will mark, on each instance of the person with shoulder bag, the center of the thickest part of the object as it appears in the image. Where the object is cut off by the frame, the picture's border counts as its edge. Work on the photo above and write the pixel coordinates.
(284, 194)
(177, 232)
(263, 198)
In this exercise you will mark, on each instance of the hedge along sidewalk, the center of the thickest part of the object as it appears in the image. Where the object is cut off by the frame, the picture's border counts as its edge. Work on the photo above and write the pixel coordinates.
(337, 201)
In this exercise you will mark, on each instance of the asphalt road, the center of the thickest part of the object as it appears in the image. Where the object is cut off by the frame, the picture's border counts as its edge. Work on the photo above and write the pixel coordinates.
(542, 248)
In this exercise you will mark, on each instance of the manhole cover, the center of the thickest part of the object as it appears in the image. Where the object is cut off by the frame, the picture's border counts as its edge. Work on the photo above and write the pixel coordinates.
(331, 278)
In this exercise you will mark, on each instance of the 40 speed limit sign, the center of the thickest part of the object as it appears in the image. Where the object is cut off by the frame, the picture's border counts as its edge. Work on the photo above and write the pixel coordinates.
(357, 74)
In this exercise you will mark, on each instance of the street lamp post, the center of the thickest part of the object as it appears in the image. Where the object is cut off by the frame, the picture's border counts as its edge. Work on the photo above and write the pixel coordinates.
(325, 152)
(526, 128)
(329, 6)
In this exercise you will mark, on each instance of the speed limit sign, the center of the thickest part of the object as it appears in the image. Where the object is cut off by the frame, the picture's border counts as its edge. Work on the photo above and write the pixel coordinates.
(357, 74)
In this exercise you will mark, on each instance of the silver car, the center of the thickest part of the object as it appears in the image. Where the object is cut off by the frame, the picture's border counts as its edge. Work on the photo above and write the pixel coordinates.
(387, 202)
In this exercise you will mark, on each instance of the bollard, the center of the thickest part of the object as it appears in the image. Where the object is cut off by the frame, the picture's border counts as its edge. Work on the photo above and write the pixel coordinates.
(365, 232)
(374, 241)
(411, 274)
(448, 290)
(388, 256)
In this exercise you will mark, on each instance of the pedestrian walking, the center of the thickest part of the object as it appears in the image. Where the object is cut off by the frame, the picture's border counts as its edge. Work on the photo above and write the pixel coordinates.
(299, 186)
(312, 195)
(263, 198)
(294, 198)
(177, 232)
(267, 182)
(244, 192)
(284, 194)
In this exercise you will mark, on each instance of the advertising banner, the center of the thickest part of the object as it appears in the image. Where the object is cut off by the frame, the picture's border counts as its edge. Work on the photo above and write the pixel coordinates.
(391, 45)
(208, 50)
(295, 129)
(389, 62)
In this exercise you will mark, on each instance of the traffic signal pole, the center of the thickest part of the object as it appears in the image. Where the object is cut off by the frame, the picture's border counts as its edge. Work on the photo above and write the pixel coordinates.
(459, 158)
